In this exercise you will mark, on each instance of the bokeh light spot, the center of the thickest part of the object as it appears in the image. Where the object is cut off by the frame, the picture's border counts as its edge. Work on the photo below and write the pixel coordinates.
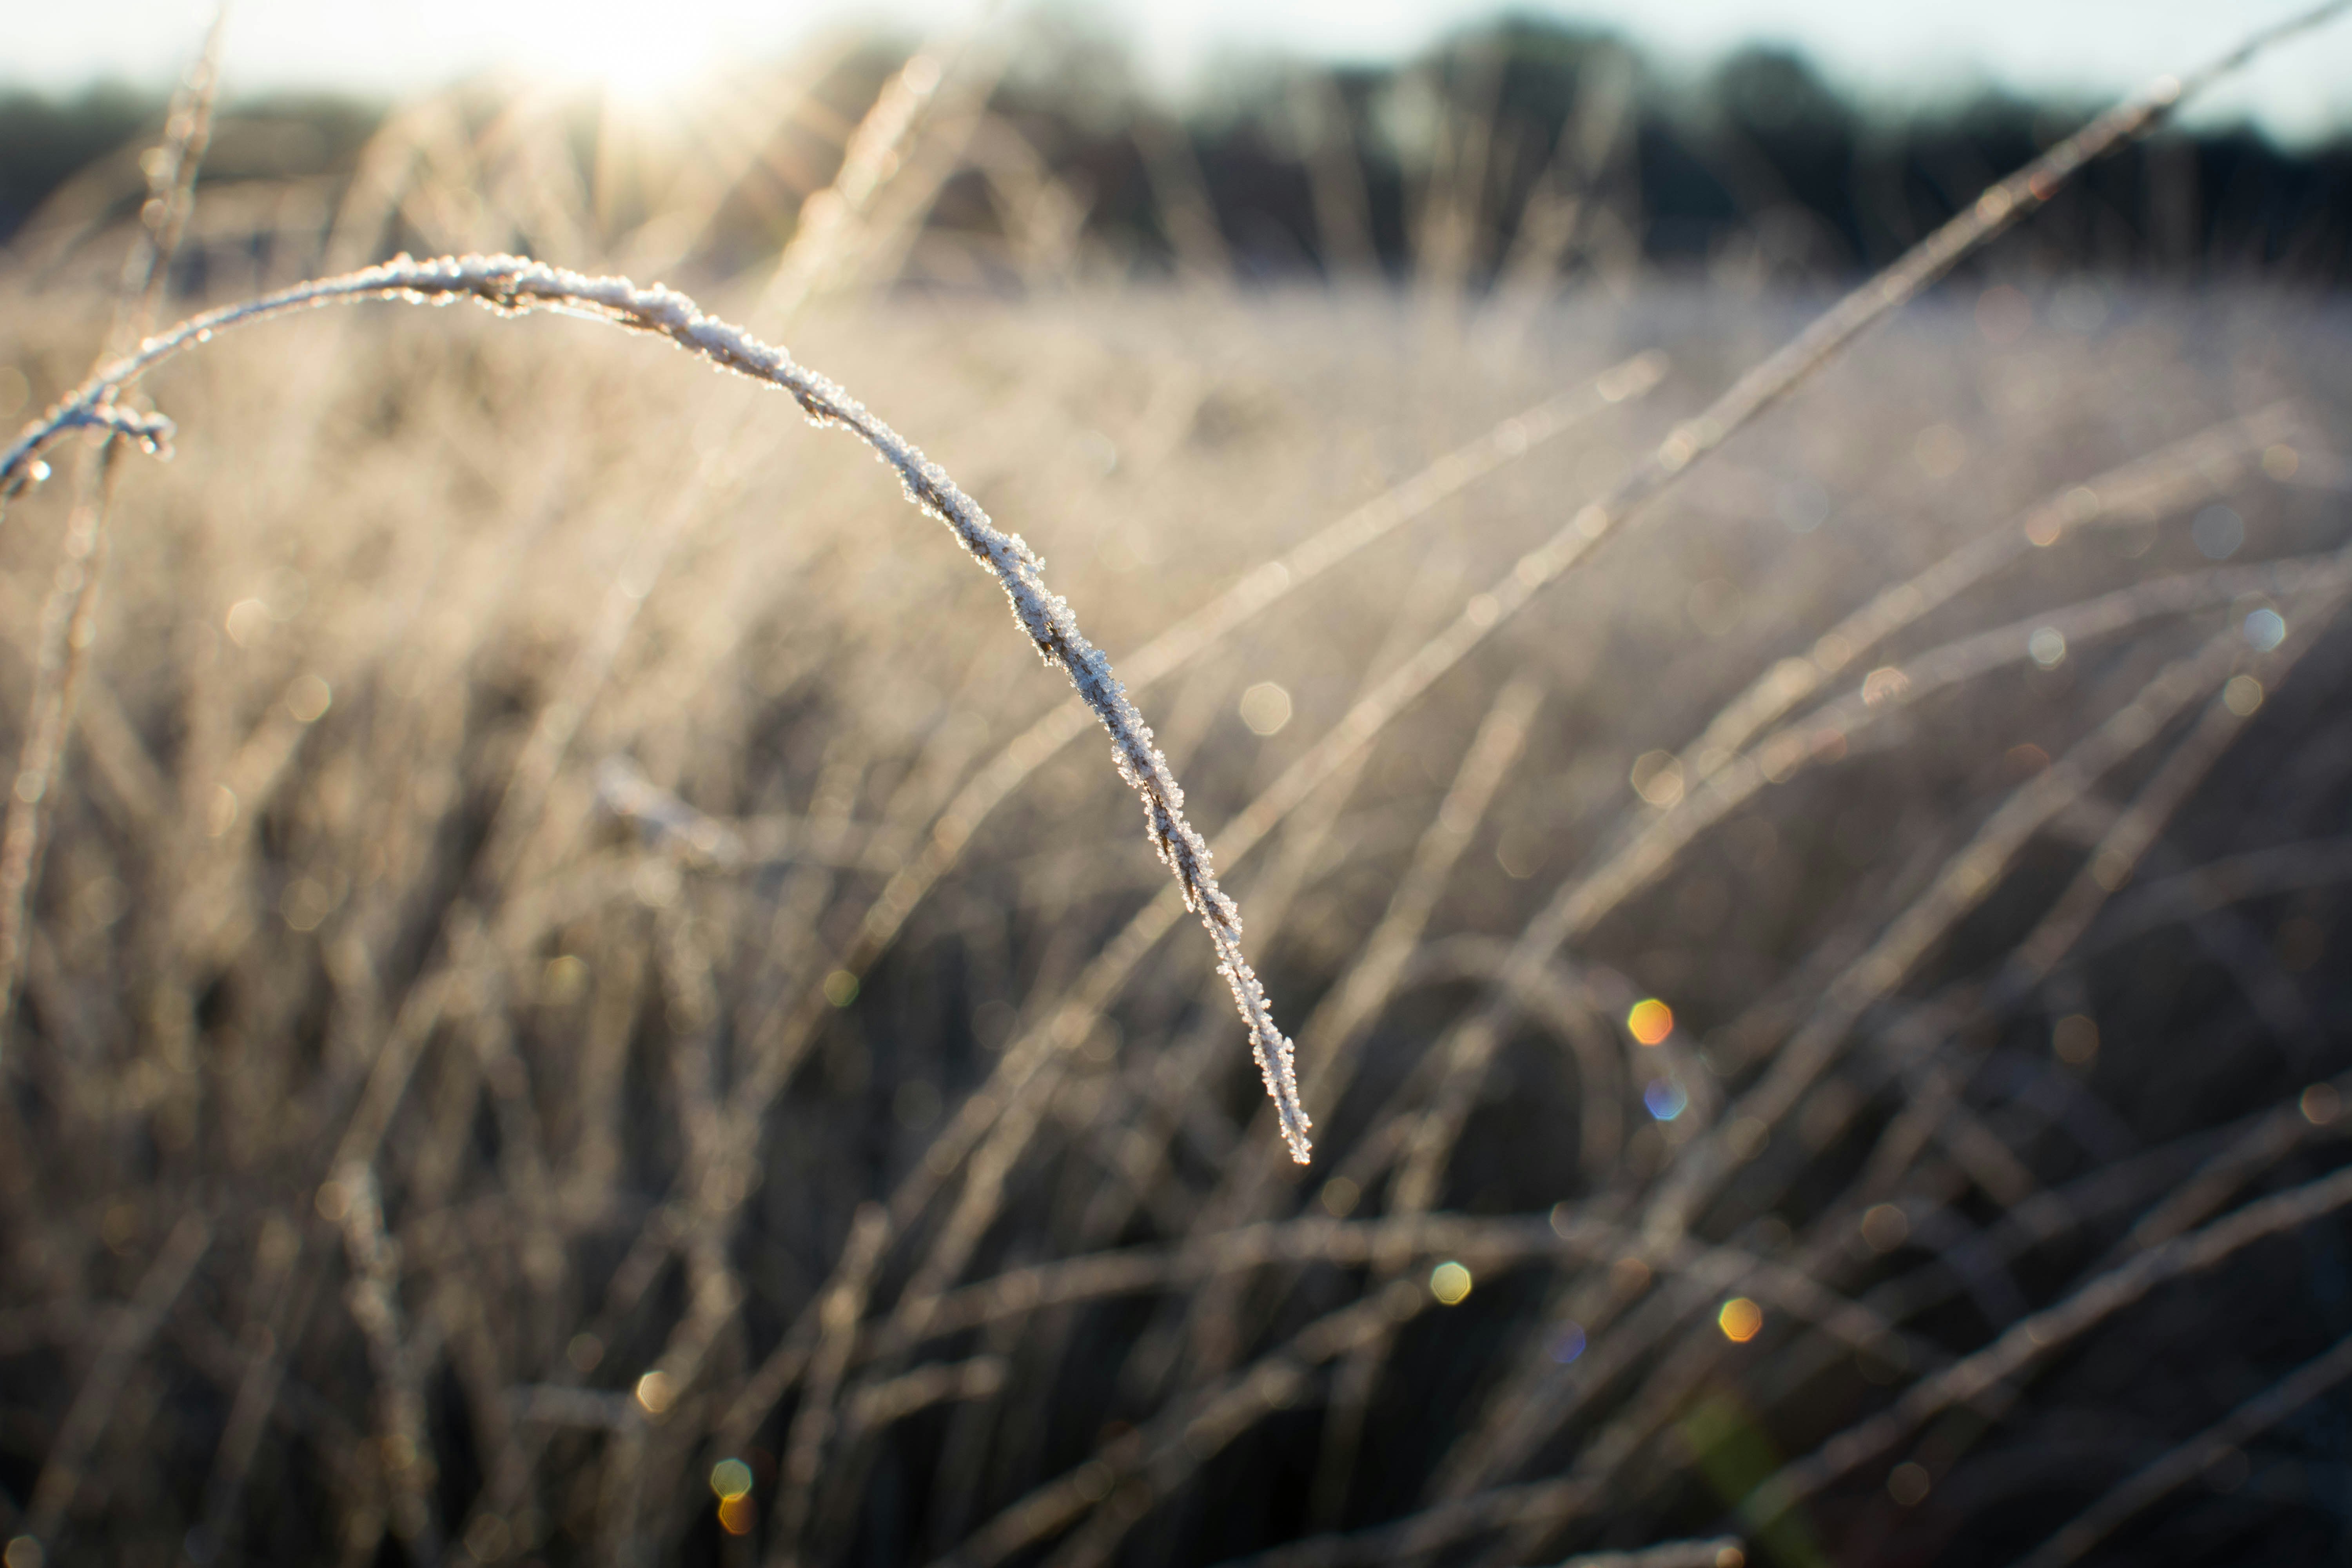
(1265, 708)
(1651, 1021)
(1340, 1196)
(1883, 684)
(1940, 451)
(1657, 778)
(1741, 1319)
(308, 698)
(1450, 1283)
(247, 622)
(2219, 531)
(1908, 1483)
(1886, 1228)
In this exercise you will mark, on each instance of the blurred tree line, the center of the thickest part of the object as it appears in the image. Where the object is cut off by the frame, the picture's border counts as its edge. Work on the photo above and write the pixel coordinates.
(1509, 153)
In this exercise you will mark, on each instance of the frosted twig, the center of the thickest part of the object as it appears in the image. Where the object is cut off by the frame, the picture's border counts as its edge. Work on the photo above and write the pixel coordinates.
(514, 285)
(995, 1122)
(519, 813)
(1262, 587)
(1175, 648)
(2000, 206)
(1384, 958)
(152, 431)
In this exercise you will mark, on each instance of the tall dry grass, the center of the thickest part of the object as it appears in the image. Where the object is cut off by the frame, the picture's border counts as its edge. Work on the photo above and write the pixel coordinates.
(574, 1012)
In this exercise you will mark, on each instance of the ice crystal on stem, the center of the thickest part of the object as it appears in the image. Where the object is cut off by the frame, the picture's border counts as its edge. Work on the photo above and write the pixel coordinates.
(514, 285)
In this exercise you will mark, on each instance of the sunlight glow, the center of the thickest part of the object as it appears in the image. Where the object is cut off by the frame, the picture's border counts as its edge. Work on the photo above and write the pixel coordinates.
(2095, 46)
(636, 65)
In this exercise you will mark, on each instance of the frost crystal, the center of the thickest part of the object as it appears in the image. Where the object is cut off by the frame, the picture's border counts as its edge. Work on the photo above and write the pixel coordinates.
(514, 285)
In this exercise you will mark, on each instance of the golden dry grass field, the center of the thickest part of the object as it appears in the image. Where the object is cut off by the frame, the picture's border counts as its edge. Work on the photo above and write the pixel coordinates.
(585, 998)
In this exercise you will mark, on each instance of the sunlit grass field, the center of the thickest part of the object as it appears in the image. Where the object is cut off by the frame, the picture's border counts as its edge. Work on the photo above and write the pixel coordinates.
(581, 1004)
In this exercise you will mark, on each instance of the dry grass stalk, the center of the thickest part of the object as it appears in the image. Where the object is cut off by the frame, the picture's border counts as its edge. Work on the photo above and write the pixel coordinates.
(1747, 398)
(1084, 1185)
(70, 620)
(514, 285)
(2182, 1465)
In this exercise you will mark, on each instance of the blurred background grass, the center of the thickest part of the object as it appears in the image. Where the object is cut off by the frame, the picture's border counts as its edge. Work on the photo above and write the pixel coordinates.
(1556, 146)
(530, 1046)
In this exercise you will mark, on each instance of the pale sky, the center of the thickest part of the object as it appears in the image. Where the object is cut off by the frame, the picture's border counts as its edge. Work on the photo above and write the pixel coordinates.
(2096, 47)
